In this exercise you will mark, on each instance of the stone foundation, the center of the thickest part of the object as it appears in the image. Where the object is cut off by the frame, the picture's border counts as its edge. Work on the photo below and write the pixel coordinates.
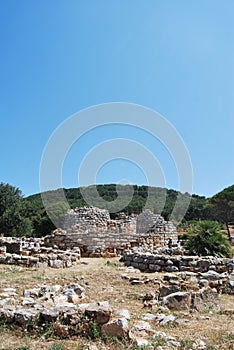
(33, 253)
(148, 262)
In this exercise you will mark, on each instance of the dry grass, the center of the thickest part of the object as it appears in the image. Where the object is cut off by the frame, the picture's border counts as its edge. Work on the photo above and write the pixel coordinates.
(103, 281)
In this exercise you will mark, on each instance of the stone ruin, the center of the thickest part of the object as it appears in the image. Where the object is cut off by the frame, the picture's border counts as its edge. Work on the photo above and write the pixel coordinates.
(188, 284)
(32, 252)
(151, 262)
(97, 234)
(89, 232)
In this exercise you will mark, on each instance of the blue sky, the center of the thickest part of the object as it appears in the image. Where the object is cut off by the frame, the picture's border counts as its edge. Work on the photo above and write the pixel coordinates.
(174, 56)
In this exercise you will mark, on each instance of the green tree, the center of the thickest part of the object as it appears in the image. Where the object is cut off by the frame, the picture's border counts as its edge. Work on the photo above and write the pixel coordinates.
(207, 239)
(13, 220)
(222, 207)
(197, 209)
(42, 224)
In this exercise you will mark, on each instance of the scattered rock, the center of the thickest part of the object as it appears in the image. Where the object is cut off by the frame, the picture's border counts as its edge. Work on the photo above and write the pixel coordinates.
(173, 344)
(163, 319)
(141, 342)
(159, 335)
(140, 332)
(123, 313)
(148, 317)
(116, 328)
(31, 293)
(199, 345)
(136, 281)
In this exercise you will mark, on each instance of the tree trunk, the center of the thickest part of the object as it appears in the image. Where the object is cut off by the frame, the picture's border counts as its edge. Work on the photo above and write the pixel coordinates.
(228, 231)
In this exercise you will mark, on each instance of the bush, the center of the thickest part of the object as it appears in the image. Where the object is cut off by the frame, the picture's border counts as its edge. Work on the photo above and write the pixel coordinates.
(207, 239)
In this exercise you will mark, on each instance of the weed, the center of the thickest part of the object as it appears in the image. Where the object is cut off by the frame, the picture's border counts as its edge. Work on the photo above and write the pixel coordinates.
(38, 278)
(94, 331)
(186, 344)
(112, 264)
(56, 346)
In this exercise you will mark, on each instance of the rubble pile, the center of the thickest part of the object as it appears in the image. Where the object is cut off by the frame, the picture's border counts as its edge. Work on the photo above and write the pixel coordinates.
(64, 310)
(39, 308)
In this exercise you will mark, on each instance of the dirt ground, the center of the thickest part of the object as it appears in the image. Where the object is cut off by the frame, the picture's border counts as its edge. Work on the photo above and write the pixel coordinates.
(102, 281)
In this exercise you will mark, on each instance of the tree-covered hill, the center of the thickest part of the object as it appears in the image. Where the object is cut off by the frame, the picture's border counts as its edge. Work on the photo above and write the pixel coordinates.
(27, 216)
(155, 200)
(159, 200)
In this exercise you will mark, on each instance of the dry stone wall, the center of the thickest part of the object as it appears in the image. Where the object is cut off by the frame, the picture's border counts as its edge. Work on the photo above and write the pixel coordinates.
(33, 253)
(96, 233)
(154, 223)
(149, 262)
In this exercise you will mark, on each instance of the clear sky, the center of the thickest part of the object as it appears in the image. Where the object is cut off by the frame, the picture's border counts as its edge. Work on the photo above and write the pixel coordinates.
(174, 56)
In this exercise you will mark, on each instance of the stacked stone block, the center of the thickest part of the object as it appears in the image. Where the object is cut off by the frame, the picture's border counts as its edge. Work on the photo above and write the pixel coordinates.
(149, 262)
(95, 232)
(33, 253)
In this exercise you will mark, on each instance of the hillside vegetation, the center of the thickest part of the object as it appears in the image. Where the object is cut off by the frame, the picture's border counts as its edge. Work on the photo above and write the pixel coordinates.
(27, 216)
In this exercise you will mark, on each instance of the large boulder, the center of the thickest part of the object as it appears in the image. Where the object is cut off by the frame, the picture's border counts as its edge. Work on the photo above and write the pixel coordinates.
(98, 312)
(206, 299)
(178, 301)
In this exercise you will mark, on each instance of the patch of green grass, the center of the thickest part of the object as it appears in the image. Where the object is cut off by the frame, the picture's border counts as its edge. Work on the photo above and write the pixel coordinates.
(186, 344)
(56, 346)
(38, 278)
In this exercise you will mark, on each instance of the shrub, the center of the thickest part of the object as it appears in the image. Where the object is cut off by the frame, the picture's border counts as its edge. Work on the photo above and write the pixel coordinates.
(207, 239)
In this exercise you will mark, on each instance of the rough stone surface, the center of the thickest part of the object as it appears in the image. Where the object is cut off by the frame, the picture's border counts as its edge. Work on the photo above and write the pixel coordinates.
(123, 313)
(116, 328)
(166, 290)
(98, 312)
(155, 262)
(206, 299)
(96, 234)
(178, 301)
(140, 332)
(162, 319)
(50, 305)
(32, 252)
